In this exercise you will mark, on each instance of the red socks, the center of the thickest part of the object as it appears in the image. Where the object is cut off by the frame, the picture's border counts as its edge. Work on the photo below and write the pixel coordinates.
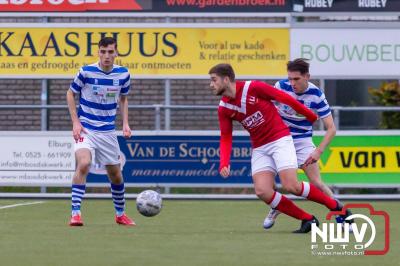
(286, 206)
(312, 193)
(309, 191)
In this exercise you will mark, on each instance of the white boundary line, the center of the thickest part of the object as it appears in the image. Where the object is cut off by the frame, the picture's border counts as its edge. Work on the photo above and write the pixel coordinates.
(21, 204)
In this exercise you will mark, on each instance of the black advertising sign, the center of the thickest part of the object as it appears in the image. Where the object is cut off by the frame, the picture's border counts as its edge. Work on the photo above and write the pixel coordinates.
(346, 5)
(200, 6)
(222, 5)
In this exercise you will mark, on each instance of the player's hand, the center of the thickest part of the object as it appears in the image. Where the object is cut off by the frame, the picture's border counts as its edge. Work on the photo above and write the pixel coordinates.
(77, 129)
(225, 171)
(126, 131)
(314, 157)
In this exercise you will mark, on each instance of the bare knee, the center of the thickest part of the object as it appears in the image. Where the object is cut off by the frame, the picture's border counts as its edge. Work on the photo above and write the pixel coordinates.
(83, 166)
(264, 185)
(260, 193)
(264, 194)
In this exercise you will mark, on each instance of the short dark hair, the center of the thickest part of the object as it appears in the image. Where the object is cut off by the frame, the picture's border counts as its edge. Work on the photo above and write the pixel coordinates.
(299, 64)
(106, 41)
(223, 70)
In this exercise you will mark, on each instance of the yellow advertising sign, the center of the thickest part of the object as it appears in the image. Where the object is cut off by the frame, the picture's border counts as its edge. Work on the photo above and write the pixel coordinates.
(147, 52)
(362, 160)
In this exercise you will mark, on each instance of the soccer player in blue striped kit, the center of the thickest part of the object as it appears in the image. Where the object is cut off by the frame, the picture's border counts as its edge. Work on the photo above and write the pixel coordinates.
(102, 86)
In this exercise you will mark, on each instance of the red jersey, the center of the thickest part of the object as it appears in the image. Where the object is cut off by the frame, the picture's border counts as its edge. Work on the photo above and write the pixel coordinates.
(253, 108)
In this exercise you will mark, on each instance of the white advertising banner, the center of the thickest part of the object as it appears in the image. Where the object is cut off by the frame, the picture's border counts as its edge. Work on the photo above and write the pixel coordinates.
(348, 53)
(32, 159)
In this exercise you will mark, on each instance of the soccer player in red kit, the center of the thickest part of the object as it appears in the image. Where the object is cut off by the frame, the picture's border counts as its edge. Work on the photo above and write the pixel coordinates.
(273, 149)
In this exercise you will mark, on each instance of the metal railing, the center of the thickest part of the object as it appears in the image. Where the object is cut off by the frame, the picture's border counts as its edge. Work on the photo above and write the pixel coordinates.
(159, 107)
(338, 109)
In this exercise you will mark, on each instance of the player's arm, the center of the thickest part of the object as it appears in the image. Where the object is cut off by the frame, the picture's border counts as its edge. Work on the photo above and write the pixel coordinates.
(268, 92)
(329, 135)
(225, 124)
(126, 130)
(76, 87)
(123, 104)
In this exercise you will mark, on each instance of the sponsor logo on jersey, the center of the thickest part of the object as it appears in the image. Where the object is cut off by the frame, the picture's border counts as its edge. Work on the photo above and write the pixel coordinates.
(253, 121)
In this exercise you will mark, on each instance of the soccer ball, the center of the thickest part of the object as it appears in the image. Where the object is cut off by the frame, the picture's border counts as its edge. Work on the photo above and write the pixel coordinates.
(149, 203)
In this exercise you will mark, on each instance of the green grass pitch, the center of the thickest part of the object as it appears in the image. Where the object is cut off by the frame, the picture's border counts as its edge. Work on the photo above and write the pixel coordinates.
(184, 233)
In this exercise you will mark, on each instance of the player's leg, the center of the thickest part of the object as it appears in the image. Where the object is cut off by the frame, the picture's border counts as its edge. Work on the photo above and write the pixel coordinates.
(304, 147)
(271, 217)
(263, 172)
(83, 161)
(309, 191)
(118, 194)
(313, 174)
(284, 155)
(263, 186)
(108, 154)
(304, 189)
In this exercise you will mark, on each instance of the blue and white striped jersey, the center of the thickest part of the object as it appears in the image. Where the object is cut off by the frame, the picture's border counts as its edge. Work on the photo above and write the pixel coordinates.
(312, 97)
(99, 95)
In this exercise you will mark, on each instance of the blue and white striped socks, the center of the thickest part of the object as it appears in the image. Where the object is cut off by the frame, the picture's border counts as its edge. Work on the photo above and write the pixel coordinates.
(78, 191)
(118, 196)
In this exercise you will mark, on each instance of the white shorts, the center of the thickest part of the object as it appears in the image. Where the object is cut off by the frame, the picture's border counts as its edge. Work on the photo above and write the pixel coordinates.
(274, 157)
(304, 147)
(104, 147)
